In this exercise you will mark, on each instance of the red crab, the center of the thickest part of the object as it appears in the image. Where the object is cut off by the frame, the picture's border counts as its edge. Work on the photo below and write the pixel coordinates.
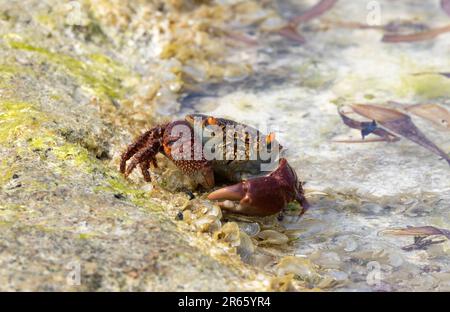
(177, 140)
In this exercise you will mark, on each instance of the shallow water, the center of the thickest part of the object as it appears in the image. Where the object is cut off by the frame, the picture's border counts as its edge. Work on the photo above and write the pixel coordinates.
(371, 187)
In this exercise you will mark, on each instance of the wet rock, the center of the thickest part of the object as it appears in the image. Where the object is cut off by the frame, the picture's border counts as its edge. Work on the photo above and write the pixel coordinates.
(72, 96)
(372, 208)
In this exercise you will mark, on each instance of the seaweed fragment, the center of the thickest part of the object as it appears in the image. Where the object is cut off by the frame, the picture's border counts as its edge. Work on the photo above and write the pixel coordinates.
(384, 135)
(320, 8)
(424, 236)
(392, 120)
(445, 5)
(392, 26)
(444, 74)
(433, 112)
(414, 37)
(241, 37)
(290, 30)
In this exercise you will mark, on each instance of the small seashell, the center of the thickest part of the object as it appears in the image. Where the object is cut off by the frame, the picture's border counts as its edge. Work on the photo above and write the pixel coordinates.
(246, 247)
(327, 282)
(251, 229)
(205, 208)
(348, 243)
(293, 234)
(215, 226)
(204, 224)
(271, 237)
(188, 217)
(229, 233)
(301, 267)
(179, 216)
(262, 261)
(333, 278)
(215, 211)
(329, 260)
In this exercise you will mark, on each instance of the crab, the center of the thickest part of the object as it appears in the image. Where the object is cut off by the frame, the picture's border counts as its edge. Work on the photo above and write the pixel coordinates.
(236, 156)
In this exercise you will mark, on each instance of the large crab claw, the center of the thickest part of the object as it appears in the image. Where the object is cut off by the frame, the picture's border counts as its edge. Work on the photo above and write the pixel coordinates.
(265, 195)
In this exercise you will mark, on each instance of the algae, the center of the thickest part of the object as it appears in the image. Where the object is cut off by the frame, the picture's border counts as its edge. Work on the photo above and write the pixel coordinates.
(427, 86)
(74, 152)
(18, 118)
(120, 187)
(97, 72)
(7, 168)
(12, 213)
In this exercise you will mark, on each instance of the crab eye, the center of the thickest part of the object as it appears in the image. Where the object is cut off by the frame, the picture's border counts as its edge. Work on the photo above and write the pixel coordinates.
(270, 138)
(211, 121)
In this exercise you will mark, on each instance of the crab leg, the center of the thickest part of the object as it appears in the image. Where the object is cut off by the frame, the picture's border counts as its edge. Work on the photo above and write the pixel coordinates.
(133, 149)
(142, 152)
(145, 165)
(143, 158)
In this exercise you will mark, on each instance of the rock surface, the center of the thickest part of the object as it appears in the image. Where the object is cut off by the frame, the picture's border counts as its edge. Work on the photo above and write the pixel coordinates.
(68, 220)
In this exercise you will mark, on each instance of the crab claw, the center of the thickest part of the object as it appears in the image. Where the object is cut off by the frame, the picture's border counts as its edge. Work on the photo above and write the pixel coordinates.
(265, 195)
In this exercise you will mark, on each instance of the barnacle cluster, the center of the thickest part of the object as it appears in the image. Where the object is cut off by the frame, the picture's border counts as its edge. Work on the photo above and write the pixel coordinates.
(263, 243)
(181, 44)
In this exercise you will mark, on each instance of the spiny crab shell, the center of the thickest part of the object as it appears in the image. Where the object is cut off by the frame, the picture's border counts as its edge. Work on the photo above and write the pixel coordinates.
(208, 149)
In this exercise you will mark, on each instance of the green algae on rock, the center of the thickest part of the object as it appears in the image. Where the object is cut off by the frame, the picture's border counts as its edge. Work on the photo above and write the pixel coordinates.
(96, 72)
(16, 118)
